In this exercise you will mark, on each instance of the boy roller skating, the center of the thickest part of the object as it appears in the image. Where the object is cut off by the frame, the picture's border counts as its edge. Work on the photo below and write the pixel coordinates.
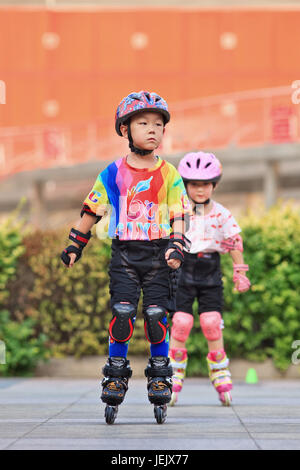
(149, 202)
(213, 231)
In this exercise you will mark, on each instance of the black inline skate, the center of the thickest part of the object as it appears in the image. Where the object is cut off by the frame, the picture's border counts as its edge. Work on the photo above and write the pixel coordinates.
(115, 385)
(159, 374)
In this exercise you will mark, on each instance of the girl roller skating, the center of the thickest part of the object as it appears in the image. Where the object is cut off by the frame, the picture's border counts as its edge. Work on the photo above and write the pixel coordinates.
(149, 202)
(212, 231)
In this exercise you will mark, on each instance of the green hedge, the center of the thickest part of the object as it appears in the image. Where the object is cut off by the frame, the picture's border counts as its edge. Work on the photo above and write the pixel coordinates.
(70, 306)
(70, 310)
(21, 344)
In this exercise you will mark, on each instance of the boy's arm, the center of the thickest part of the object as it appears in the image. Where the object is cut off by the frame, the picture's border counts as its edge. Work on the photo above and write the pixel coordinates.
(178, 226)
(179, 209)
(178, 229)
(83, 226)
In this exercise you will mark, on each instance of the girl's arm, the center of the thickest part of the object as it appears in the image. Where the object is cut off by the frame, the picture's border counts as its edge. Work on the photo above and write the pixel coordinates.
(242, 283)
(237, 257)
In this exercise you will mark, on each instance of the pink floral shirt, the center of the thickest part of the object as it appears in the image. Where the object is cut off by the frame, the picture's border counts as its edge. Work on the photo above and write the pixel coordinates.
(206, 232)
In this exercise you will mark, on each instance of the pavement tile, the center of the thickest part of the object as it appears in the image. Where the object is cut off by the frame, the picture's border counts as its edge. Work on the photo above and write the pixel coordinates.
(180, 444)
(278, 444)
(15, 429)
(39, 411)
(4, 443)
(282, 436)
(280, 428)
(49, 413)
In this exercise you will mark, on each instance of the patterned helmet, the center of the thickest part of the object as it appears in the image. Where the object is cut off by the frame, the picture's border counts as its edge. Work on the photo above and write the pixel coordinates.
(139, 102)
(200, 166)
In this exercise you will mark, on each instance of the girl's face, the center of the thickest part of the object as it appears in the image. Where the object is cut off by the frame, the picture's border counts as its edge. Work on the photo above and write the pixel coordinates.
(199, 191)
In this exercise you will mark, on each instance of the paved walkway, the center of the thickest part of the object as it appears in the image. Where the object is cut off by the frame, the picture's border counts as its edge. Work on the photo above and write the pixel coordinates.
(51, 413)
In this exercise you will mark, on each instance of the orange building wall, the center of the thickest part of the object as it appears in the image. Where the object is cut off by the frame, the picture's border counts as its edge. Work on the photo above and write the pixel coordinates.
(95, 65)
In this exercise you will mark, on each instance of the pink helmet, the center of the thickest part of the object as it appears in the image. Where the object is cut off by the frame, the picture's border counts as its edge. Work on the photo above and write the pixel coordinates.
(200, 166)
(139, 102)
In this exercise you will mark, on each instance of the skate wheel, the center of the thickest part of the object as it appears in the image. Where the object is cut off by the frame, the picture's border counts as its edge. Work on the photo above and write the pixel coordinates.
(174, 399)
(110, 414)
(160, 413)
(226, 398)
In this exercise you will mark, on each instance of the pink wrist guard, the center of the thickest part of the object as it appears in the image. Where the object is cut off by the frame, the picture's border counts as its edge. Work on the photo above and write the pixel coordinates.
(243, 282)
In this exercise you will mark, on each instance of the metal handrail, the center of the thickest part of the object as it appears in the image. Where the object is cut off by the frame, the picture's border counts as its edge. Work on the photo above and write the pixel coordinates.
(243, 118)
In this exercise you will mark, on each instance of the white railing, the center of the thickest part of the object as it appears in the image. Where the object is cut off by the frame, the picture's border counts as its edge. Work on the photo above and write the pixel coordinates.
(241, 119)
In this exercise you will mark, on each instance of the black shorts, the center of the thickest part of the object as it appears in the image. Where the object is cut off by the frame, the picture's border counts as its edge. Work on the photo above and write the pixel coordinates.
(201, 279)
(137, 265)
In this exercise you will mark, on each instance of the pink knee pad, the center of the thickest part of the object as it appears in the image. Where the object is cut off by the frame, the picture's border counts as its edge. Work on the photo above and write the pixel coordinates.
(211, 324)
(182, 325)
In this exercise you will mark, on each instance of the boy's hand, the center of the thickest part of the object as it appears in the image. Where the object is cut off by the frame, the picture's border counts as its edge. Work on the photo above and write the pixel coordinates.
(172, 263)
(73, 252)
(72, 257)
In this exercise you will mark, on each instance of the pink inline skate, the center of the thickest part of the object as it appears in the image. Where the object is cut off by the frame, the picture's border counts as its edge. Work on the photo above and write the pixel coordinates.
(178, 359)
(219, 375)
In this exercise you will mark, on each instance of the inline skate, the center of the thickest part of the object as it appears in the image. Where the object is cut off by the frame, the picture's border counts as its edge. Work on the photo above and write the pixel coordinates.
(220, 376)
(178, 359)
(159, 374)
(116, 373)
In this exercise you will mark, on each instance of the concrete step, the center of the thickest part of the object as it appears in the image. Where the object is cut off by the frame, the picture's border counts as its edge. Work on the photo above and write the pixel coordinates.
(91, 367)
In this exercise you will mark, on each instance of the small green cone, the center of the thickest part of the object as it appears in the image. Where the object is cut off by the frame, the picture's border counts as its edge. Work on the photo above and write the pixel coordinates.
(251, 377)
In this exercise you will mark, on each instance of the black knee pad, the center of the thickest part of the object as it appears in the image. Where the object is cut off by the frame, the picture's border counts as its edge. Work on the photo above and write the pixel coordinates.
(122, 324)
(154, 327)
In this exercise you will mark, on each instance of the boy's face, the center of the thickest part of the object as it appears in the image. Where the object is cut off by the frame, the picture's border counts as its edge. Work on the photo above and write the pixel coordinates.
(199, 191)
(147, 130)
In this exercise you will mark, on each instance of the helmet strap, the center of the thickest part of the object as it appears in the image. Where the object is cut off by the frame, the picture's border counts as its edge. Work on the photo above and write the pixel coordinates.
(196, 203)
(132, 147)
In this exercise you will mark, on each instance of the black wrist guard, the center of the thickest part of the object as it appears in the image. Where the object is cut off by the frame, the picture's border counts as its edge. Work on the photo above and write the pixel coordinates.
(180, 238)
(87, 210)
(71, 249)
(177, 254)
(80, 238)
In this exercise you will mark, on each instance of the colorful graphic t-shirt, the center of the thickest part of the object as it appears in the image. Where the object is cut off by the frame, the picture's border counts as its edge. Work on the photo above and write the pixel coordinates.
(206, 232)
(141, 202)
